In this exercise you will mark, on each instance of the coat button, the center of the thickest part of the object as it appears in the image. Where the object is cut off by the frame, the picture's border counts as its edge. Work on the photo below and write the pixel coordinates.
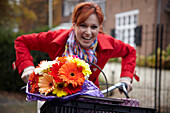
(94, 69)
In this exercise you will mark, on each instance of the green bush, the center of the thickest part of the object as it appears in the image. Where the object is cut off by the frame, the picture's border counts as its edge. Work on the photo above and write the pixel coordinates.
(113, 60)
(10, 80)
(7, 56)
(140, 60)
(149, 61)
(168, 50)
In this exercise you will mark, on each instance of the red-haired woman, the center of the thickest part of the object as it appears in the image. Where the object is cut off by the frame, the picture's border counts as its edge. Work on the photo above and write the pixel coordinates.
(84, 39)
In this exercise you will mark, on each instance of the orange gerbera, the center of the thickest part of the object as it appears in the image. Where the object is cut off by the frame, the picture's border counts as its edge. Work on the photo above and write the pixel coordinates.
(62, 59)
(46, 83)
(33, 82)
(71, 74)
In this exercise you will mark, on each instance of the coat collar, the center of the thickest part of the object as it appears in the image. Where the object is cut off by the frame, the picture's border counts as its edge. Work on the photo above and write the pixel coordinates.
(103, 42)
(63, 36)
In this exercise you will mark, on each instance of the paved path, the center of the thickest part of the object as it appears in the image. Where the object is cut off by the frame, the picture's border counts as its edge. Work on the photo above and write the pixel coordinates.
(143, 90)
(15, 103)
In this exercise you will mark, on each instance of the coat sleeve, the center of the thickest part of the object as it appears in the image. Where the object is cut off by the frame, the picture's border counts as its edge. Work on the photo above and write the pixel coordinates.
(128, 55)
(25, 43)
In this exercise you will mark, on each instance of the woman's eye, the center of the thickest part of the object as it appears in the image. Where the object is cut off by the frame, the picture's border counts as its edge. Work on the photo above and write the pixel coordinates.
(82, 25)
(94, 27)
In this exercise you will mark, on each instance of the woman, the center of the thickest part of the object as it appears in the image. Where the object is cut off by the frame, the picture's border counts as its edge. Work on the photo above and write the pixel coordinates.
(84, 39)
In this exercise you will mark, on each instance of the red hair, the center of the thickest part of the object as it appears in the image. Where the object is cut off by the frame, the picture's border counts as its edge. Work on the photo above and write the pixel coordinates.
(83, 10)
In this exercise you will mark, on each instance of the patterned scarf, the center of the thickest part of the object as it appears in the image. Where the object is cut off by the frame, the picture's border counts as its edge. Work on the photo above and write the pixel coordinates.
(72, 47)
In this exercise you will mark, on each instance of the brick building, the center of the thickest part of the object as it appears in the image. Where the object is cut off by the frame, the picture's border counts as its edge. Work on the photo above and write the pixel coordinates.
(123, 16)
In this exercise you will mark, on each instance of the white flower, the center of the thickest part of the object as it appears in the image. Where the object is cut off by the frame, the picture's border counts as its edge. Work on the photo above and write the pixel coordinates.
(69, 59)
(44, 66)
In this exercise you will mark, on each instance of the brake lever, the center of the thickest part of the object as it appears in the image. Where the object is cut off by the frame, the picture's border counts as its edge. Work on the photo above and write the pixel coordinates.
(23, 88)
(123, 88)
(111, 88)
(121, 85)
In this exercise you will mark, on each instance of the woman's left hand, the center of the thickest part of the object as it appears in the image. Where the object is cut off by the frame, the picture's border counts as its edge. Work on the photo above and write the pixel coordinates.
(128, 82)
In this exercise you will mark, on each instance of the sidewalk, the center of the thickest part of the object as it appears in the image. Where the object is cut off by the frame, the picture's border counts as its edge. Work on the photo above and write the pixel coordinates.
(144, 90)
(15, 103)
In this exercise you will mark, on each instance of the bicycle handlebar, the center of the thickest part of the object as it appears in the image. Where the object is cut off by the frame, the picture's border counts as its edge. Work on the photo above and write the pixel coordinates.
(121, 85)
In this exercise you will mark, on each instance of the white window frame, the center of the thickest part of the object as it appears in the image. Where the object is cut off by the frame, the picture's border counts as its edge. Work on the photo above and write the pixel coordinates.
(70, 4)
(125, 24)
(69, 7)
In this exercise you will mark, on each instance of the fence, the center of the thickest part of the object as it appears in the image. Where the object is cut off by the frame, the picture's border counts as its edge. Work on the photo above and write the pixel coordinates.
(153, 67)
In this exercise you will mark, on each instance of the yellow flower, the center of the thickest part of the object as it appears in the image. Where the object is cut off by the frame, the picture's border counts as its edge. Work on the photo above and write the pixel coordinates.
(81, 63)
(59, 89)
(46, 83)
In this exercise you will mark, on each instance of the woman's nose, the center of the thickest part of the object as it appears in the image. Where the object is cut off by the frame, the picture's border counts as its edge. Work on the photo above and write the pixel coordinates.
(88, 30)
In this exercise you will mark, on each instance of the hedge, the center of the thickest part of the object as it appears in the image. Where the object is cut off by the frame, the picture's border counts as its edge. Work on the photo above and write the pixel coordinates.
(10, 80)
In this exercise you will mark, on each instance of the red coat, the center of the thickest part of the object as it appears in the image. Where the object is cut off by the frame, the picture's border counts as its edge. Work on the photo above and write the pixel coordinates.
(54, 42)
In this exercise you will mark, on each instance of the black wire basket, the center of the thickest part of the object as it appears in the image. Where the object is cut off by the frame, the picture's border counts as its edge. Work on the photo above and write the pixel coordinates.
(91, 104)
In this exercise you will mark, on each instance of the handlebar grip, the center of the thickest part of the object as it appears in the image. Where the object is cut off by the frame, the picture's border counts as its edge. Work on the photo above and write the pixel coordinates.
(124, 89)
(126, 86)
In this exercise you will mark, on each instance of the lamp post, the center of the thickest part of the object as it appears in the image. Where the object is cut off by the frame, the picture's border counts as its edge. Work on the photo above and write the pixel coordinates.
(50, 13)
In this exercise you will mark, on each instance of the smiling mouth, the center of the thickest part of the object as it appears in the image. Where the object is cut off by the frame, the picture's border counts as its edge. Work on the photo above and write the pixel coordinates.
(86, 38)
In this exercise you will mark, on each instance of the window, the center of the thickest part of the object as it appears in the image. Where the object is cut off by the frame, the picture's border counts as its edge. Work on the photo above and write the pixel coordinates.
(125, 25)
(69, 6)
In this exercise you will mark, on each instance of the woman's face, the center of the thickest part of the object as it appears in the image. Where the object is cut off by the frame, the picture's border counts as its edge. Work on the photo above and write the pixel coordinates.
(87, 31)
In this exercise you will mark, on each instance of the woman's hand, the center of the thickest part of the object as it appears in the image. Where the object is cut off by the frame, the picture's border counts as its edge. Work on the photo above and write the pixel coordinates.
(26, 73)
(127, 80)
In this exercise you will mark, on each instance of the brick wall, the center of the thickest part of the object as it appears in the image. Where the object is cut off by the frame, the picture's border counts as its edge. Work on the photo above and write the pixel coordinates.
(148, 10)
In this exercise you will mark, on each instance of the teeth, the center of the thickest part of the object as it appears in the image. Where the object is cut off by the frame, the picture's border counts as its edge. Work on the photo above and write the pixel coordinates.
(86, 38)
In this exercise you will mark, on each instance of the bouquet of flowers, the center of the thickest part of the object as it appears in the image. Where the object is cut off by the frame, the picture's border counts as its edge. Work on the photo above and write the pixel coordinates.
(61, 77)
